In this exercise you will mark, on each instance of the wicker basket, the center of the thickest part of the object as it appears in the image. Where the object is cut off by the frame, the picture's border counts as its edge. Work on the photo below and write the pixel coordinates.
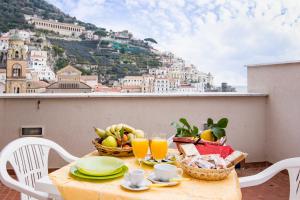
(220, 142)
(186, 140)
(206, 174)
(113, 151)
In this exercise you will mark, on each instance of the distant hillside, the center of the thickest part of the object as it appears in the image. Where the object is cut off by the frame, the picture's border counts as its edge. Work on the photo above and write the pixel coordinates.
(113, 62)
(12, 14)
(114, 59)
(81, 50)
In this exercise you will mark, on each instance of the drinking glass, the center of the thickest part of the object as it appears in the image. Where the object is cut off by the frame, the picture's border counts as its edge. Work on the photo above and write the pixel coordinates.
(159, 148)
(140, 148)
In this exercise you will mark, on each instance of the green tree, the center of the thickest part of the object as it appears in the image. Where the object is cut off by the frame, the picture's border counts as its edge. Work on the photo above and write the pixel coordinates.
(61, 63)
(150, 40)
(101, 32)
(84, 71)
(58, 51)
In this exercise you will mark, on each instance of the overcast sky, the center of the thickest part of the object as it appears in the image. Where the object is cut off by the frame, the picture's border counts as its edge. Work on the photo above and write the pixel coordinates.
(218, 36)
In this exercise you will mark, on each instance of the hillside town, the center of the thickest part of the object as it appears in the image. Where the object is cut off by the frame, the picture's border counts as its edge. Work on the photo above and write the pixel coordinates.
(27, 64)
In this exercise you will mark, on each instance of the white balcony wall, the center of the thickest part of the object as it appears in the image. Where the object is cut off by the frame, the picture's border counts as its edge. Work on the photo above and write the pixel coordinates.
(68, 119)
(281, 81)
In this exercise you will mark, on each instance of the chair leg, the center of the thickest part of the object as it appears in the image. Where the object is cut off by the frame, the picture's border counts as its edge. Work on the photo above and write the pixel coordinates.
(294, 175)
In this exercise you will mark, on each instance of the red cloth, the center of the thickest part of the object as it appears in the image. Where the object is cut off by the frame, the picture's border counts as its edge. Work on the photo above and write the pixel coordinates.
(224, 151)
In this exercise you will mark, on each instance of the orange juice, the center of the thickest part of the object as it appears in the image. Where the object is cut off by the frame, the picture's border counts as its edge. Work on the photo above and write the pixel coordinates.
(159, 148)
(140, 147)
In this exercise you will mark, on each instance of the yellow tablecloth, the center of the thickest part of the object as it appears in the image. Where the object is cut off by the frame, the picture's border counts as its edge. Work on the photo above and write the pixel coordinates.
(72, 189)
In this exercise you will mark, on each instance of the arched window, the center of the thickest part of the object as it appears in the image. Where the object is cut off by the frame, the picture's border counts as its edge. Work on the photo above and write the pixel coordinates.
(17, 54)
(16, 70)
(18, 90)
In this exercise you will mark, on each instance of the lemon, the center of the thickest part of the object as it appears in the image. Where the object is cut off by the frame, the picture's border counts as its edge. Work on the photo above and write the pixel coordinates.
(207, 135)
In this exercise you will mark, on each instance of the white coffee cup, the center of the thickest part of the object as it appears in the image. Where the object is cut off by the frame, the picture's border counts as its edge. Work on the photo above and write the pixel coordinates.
(135, 177)
(165, 172)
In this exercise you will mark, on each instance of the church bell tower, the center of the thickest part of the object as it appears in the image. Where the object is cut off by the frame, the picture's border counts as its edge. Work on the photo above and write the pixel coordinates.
(16, 65)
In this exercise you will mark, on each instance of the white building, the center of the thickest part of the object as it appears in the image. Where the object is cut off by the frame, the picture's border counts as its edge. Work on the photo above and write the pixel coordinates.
(2, 87)
(191, 88)
(161, 85)
(174, 84)
(148, 84)
(4, 42)
(25, 35)
(132, 81)
(66, 29)
(89, 35)
(161, 72)
(38, 64)
(2, 75)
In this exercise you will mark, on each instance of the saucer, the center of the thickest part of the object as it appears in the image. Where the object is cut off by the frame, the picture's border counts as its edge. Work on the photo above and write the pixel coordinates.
(153, 179)
(144, 186)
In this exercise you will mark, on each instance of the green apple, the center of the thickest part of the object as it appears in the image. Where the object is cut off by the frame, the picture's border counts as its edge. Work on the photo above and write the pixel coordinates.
(110, 141)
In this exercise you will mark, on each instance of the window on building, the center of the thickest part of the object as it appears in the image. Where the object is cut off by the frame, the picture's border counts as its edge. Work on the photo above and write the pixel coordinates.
(17, 54)
(16, 71)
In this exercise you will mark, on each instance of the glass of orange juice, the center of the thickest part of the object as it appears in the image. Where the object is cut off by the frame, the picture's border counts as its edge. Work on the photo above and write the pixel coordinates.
(140, 148)
(159, 148)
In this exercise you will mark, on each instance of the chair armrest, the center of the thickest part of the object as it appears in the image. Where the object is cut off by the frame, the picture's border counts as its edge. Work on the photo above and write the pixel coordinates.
(12, 183)
(64, 154)
(259, 178)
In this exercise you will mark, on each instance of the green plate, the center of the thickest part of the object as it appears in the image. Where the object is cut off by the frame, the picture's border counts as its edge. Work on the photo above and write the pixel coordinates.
(99, 165)
(74, 171)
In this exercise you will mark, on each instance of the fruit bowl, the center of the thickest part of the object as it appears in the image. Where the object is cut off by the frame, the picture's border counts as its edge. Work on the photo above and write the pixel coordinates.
(112, 151)
(116, 140)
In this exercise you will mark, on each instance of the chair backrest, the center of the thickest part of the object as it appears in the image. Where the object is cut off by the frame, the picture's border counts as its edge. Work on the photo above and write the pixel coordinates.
(29, 159)
(293, 167)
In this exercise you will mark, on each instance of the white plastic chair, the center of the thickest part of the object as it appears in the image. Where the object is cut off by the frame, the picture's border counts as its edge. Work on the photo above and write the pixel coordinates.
(293, 167)
(29, 159)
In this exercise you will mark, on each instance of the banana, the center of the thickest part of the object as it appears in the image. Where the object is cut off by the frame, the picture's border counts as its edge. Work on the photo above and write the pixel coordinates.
(119, 127)
(101, 133)
(128, 128)
(117, 134)
(112, 129)
(107, 131)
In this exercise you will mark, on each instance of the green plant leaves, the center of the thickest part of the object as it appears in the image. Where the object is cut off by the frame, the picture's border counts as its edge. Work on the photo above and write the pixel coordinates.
(184, 129)
(185, 122)
(122, 132)
(222, 123)
(218, 132)
(195, 130)
(210, 122)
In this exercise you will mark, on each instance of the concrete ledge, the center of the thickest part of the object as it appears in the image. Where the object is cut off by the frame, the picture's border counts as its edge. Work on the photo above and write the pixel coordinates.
(99, 95)
(292, 62)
